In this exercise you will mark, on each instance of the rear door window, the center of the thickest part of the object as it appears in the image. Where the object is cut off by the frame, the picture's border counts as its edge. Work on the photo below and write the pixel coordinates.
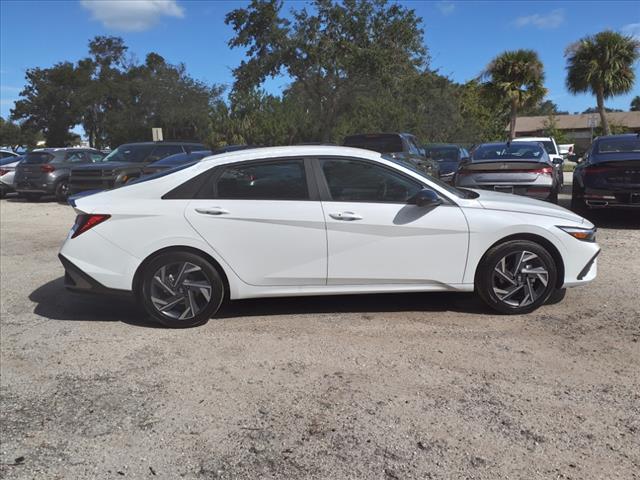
(75, 157)
(272, 180)
(96, 156)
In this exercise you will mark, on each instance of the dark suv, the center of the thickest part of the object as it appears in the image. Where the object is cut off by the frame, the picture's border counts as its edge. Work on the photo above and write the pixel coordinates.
(45, 171)
(124, 164)
(402, 146)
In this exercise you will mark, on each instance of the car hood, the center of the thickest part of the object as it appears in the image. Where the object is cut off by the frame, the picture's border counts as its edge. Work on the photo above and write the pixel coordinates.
(519, 203)
(109, 165)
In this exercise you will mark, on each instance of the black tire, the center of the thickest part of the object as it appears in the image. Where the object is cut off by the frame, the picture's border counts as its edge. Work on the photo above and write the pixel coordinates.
(172, 261)
(485, 281)
(3, 193)
(557, 296)
(62, 191)
(553, 198)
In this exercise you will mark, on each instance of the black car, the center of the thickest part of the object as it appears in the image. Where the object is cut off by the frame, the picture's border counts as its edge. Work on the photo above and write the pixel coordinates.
(609, 174)
(402, 146)
(125, 164)
(448, 156)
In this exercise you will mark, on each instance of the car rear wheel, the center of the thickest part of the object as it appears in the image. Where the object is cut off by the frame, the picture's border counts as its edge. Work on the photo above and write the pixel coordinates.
(181, 289)
(62, 190)
(577, 201)
(516, 277)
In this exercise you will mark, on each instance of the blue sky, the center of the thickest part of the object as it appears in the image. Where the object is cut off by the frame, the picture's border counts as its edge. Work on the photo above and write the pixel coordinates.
(462, 36)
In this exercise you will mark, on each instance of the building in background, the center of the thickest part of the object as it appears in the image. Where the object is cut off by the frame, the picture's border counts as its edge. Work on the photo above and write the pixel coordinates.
(579, 129)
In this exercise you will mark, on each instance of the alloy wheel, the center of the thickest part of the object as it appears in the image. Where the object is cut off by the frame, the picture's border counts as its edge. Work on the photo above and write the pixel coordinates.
(180, 290)
(520, 278)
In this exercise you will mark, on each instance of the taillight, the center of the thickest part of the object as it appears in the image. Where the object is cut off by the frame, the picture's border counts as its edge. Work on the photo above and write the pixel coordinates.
(85, 222)
(3, 171)
(46, 168)
(544, 171)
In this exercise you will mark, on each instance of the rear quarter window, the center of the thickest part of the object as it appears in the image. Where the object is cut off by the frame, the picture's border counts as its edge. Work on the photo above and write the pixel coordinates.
(37, 157)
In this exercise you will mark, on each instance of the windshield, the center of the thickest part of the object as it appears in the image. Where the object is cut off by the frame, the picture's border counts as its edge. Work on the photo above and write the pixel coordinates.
(377, 143)
(505, 151)
(619, 145)
(458, 192)
(550, 148)
(442, 153)
(130, 153)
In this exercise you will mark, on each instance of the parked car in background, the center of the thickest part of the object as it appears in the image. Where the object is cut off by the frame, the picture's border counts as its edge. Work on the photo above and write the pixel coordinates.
(7, 154)
(448, 157)
(46, 171)
(125, 164)
(609, 174)
(402, 146)
(550, 145)
(8, 166)
(289, 221)
(176, 160)
(523, 168)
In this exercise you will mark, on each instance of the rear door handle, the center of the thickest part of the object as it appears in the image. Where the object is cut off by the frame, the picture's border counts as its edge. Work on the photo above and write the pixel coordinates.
(345, 216)
(212, 211)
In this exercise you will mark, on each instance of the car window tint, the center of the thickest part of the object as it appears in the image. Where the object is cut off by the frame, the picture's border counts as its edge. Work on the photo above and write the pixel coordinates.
(75, 157)
(37, 157)
(163, 151)
(353, 181)
(283, 180)
(96, 157)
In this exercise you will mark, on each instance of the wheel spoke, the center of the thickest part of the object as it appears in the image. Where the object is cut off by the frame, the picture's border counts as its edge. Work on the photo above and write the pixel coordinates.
(161, 281)
(505, 275)
(172, 302)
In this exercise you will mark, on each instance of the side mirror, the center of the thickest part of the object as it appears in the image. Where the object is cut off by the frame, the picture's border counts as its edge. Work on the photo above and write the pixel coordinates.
(465, 160)
(426, 198)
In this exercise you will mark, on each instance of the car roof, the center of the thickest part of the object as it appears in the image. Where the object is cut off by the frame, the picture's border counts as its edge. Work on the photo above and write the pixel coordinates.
(438, 145)
(531, 139)
(289, 151)
(160, 143)
(526, 142)
(621, 136)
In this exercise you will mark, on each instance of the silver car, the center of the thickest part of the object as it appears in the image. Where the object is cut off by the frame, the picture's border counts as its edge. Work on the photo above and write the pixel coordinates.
(7, 171)
(522, 168)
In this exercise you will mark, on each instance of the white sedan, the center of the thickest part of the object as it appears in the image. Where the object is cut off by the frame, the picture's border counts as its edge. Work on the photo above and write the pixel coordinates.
(318, 220)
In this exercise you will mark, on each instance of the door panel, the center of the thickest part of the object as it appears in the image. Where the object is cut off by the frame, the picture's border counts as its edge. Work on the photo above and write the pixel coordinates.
(265, 242)
(375, 235)
(394, 243)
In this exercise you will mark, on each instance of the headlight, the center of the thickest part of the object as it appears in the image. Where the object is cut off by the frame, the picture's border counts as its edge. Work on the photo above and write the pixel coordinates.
(584, 234)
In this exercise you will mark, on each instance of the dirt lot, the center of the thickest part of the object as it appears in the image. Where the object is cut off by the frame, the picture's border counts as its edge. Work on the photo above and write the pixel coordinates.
(384, 387)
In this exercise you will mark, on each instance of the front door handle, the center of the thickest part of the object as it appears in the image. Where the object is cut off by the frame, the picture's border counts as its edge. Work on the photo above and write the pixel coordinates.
(212, 211)
(346, 216)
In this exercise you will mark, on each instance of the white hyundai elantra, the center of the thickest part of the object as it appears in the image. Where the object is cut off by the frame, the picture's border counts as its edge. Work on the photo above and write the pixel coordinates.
(318, 220)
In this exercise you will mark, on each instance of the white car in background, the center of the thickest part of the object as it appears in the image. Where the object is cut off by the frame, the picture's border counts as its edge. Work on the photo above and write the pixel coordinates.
(550, 145)
(318, 220)
(8, 162)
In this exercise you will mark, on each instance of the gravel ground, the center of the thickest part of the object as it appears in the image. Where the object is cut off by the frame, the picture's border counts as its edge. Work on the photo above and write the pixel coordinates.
(429, 386)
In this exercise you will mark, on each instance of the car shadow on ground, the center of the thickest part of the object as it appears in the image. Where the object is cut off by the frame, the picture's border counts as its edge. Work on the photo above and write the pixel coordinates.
(55, 302)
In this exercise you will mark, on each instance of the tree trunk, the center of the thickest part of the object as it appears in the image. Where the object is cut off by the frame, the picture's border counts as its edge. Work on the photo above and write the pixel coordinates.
(604, 122)
(512, 126)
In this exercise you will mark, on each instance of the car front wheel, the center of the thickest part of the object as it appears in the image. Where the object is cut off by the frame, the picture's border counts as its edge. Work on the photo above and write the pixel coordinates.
(516, 277)
(181, 289)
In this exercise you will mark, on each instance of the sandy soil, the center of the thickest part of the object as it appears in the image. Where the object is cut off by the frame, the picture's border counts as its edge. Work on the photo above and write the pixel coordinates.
(385, 387)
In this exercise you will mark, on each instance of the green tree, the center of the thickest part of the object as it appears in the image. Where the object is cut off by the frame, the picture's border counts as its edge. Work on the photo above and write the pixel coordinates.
(635, 104)
(334, 54)
(51, 102)
(603, 65)
(516, 77)
(551, 130)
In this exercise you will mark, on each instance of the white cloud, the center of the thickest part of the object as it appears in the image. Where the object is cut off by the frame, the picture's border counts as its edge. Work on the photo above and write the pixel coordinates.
(632, 29)
(553, 19)
(446, 7)
(131, 15)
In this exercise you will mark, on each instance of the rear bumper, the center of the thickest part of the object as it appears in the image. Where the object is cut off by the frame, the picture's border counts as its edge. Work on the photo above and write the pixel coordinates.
(78, 281)
(33, 187)
(597, 198)
(539, 192)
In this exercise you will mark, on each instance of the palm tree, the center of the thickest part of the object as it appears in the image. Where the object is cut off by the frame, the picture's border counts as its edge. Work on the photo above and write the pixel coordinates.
(603, 65)
(517, 79)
